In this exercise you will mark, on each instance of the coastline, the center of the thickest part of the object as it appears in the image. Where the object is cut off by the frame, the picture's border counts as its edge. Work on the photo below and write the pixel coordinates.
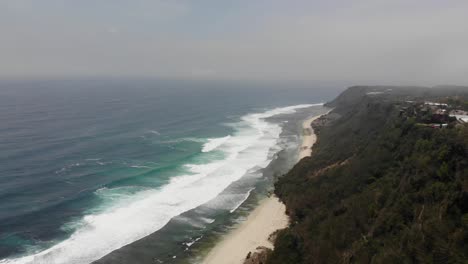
(253, 234)
(308, 137)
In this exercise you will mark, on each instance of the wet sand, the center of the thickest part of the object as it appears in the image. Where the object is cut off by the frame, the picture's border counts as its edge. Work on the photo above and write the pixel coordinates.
(265, 219)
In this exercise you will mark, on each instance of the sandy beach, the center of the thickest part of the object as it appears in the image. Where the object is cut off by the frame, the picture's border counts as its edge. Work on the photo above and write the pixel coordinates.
(268, 217)
(308, 137)
(265, 219)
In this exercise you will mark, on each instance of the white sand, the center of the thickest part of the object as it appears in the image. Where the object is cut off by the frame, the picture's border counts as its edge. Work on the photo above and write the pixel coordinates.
(268, 217)
(308, 137)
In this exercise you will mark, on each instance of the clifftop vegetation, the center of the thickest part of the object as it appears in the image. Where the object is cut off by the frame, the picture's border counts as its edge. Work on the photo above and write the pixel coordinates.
(379, 188)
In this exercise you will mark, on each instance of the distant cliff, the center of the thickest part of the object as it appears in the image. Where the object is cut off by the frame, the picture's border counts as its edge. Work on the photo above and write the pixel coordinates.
(380, 186)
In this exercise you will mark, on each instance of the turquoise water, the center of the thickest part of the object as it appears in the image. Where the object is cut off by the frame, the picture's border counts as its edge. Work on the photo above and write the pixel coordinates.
(87, 167)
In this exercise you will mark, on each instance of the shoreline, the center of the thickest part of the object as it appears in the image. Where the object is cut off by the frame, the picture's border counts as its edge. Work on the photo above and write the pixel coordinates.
(308, 137)
(254, 232)
(252, 235)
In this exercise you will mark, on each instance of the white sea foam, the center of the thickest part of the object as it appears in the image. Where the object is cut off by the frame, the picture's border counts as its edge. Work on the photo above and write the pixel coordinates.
(149, 210)
(241, 201)
(189, 244)
(155, 132)
(214, 143)
(207, 220)
(140, 167)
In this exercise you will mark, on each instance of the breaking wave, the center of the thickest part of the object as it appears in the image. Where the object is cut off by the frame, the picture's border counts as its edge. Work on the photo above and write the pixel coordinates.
(145, 211)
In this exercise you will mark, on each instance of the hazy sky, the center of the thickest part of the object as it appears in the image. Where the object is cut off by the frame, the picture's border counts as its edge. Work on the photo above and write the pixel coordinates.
(406, 41)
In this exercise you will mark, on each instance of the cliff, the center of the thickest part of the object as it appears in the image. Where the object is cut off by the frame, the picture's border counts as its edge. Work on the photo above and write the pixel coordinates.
(379, 186)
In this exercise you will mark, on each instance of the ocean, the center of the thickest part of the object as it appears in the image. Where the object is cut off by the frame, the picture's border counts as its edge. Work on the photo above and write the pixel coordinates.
(153, 171)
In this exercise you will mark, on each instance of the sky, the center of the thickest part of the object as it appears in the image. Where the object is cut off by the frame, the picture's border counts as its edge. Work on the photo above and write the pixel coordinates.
(380, 41)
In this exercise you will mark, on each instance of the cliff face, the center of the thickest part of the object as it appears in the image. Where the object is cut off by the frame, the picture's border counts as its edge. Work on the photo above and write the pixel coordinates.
(379, 188)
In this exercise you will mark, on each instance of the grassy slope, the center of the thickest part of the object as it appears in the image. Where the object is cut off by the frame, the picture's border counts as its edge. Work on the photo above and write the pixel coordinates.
(377, 189)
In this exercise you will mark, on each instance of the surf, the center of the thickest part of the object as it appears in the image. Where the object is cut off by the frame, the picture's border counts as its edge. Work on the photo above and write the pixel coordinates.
(214, 143)
(141, 213)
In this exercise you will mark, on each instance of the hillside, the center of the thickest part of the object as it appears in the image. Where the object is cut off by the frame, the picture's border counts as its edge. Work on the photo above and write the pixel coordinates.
(383, 184)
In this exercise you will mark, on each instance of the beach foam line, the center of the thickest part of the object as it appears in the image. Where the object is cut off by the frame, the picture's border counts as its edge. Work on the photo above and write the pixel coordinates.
(268, 217)
(265, 219)
(142, 213)
(214, 143)
(308, 136)
(246, 196)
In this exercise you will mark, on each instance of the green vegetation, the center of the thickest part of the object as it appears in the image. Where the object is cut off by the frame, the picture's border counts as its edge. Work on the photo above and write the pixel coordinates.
(457, 103)
(377, 189)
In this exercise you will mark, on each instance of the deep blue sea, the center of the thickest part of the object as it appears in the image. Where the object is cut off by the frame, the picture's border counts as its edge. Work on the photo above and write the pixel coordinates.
(87, 167)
